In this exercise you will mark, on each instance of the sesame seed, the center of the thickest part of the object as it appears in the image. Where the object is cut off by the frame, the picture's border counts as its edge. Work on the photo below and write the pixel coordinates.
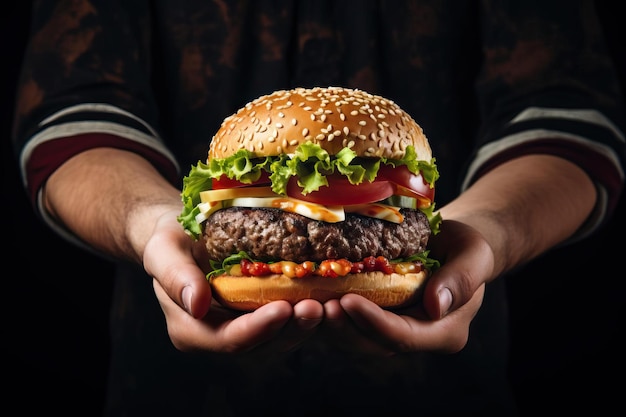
(362, 122)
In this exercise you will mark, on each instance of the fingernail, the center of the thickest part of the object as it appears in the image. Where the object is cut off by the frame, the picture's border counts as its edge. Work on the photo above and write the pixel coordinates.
(445, 301)
(308, 324)
(186, 296)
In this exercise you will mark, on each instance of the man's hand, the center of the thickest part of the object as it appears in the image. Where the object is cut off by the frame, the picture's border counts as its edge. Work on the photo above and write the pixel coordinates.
(194, 322)
(451, 299)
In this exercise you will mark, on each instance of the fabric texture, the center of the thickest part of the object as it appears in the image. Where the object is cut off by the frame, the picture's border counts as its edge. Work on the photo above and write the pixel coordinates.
(487, 81)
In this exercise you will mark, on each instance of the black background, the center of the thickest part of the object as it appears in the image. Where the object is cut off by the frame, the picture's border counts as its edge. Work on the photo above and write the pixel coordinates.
(55, 334)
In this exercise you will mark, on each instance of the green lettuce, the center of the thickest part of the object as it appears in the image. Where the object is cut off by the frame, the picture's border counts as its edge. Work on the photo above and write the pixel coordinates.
(310, 164)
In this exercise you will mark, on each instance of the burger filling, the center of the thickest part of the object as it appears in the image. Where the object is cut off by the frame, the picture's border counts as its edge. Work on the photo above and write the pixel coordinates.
(275, 241)
(326, 215)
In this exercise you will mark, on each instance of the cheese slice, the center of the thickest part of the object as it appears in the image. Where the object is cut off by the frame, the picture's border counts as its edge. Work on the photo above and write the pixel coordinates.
(207, 208)
(213, 200)
(230, 193)
(377, 211)
(330, 214)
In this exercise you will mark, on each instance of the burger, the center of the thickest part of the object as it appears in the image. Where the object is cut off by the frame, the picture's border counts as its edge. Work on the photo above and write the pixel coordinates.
(315, 193)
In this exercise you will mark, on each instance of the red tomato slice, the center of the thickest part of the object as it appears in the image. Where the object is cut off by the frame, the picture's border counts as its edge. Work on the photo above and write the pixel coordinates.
(225, 182)
(340, 192)
(410, 184)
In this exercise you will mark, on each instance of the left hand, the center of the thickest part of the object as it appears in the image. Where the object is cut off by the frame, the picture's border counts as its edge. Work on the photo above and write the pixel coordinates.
(452, 296)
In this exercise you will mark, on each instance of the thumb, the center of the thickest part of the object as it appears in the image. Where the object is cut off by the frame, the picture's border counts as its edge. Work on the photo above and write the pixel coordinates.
(169, 258)
(467, 262)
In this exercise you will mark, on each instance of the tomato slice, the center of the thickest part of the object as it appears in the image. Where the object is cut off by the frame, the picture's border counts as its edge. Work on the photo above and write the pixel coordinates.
(225, 182)
(408, 183)
(389, 181)
(341, 192)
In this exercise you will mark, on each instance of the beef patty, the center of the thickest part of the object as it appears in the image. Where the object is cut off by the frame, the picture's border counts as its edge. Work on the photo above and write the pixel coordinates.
(268, 234)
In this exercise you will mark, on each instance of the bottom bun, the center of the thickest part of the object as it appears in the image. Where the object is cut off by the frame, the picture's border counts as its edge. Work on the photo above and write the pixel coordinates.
(250, 293)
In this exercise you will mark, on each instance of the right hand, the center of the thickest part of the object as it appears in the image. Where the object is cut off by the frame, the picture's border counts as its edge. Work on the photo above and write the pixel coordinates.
(194, 322)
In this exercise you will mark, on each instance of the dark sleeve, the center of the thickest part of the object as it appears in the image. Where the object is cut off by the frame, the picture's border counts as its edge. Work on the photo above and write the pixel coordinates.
(85, 83)
(548, 85)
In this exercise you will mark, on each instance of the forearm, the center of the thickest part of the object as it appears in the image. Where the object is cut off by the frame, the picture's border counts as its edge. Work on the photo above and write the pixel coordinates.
(525, 206)
(110, 198)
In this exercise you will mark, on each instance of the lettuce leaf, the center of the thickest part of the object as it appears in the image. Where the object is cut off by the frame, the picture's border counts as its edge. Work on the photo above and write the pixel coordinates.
(310, 164)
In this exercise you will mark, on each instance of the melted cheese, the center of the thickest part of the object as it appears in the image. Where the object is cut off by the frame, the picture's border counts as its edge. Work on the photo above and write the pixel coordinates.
(377, 211)
(330, 214)
(213, 200)
(230, 193)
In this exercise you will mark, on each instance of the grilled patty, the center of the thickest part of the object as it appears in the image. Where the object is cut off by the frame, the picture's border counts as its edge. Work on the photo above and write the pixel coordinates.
(268, 234)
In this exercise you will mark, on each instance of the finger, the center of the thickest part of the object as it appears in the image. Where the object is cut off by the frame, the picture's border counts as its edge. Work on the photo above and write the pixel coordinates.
(250, 330)
(467, 263)
(168, 257)
(402, 332)
(341, 330)
(222, 330)
(307, 316)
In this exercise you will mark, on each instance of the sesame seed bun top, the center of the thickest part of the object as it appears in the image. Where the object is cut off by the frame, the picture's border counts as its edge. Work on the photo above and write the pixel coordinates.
(332, 117)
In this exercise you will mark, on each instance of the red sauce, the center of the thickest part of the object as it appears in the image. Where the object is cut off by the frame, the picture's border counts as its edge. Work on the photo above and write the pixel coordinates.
(330, 268)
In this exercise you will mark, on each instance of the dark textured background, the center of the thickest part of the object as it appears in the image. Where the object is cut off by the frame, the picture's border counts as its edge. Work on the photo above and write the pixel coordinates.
(55, 334)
